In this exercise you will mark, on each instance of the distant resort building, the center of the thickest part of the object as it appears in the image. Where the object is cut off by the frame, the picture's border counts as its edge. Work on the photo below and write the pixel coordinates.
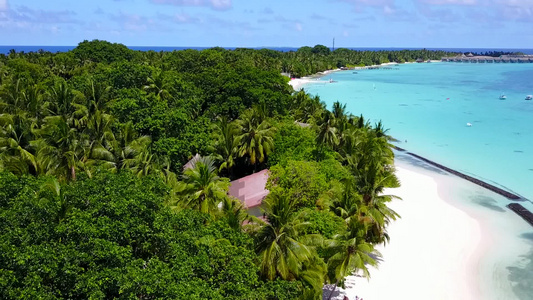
(251, 190)
(470, 58)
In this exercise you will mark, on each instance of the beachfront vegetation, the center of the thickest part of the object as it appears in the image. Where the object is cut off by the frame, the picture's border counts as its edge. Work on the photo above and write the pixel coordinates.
(96, 203)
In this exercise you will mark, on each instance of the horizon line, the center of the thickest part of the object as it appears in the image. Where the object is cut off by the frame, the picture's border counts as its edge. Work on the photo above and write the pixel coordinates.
(295, 47)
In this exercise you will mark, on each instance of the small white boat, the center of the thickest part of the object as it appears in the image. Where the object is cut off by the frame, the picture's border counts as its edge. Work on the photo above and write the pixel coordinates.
(529, 97)
(469, 124)
(503, 97)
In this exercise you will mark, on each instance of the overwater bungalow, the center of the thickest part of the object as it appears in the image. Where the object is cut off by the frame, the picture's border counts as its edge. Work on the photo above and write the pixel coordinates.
(489, 59)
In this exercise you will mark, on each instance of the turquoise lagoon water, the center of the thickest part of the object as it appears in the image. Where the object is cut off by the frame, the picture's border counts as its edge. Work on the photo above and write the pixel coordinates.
(427, 108)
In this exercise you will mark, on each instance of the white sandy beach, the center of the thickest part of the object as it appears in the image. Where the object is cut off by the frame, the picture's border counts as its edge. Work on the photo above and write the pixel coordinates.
(297, 83)
(432, 252)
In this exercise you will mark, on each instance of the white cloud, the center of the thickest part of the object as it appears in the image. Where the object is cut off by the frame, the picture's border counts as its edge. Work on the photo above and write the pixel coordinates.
(450, 2)
(35, 16)
(214, 4)
(514, 10)
(520, 3)
(371, 2)
(388, 10)
(221, 4)
(360, 5)
(185, 18)
(3, 5)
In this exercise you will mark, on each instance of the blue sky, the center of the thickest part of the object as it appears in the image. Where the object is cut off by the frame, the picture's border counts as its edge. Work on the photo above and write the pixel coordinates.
(273, 23)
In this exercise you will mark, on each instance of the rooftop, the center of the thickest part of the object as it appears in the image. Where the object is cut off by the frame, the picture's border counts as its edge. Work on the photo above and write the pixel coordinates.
(251, 190)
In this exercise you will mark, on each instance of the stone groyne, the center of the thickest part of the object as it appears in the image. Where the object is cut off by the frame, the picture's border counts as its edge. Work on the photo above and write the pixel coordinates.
(481, 183)
(520, 210)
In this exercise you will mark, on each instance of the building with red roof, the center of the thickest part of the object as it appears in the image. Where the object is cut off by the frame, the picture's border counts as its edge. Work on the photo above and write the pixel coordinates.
(251, 190)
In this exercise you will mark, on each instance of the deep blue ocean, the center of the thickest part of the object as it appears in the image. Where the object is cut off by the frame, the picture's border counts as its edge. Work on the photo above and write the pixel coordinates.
(6, 49)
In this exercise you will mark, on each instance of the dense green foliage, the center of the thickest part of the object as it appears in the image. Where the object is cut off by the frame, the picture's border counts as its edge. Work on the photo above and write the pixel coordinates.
(96, 203)
(112, 236)
(307, 60)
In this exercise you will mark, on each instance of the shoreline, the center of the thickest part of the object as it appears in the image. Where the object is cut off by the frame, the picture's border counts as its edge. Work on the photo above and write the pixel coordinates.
(430, 256)
(298, 83)
(491, 265)
(494, 265)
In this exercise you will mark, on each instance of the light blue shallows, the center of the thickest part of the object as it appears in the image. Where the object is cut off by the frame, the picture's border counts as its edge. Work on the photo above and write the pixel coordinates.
(451, 113)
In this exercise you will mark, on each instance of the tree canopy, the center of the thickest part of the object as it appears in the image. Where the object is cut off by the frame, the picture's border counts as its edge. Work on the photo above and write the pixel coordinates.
(100, 198)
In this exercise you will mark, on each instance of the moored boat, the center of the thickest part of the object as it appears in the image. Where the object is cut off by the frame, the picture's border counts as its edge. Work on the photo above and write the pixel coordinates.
(529, 97)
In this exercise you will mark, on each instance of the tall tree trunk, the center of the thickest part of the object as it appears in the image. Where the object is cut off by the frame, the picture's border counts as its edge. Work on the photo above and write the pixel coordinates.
(334, 288)
(73, 173)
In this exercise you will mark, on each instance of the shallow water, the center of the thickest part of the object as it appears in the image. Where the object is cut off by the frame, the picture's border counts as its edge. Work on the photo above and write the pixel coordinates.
(427, 107)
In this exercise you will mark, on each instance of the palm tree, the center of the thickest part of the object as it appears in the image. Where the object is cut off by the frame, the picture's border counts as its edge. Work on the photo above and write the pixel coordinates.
(144, 164)
(33, 102)
(62, 103)
(307, 108)
(327, 132)
(98, 141)
(59, 149)
(96, 96)
(15, 148)
(348, 203)
(201, 188)
(256, 138)
(12, 97)
(339, 110)
(373, 172)
(129, 147)
(352, 253)
(361, 123)
(235, 213)
(282, 248)
(226, 143)
(157, 85)
(53, 187)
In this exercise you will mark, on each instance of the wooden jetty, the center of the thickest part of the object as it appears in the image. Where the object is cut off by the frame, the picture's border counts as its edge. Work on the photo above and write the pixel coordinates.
(522, 212)
(376, 68)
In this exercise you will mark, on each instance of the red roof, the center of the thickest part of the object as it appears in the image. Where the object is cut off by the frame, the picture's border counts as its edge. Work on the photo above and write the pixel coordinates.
(251, 190)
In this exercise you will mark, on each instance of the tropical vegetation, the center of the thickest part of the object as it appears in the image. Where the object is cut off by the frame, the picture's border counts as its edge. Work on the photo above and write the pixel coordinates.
(115, 167)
